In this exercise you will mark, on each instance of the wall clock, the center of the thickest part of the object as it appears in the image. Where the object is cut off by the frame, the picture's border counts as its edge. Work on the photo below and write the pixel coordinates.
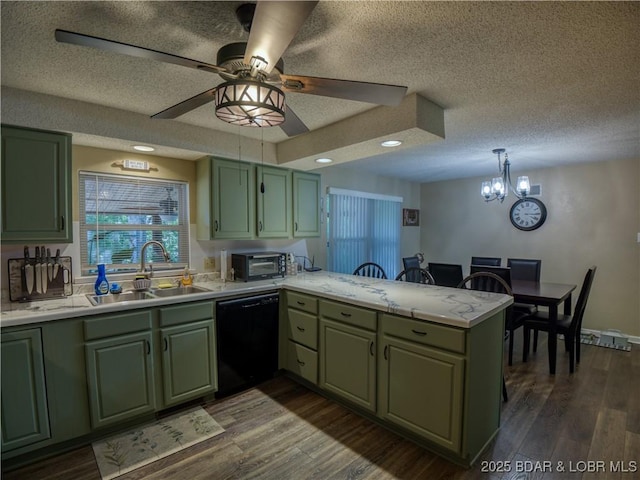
(528, 214)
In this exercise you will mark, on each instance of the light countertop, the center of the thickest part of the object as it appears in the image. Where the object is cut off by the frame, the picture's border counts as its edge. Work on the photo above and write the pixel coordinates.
(450, 306)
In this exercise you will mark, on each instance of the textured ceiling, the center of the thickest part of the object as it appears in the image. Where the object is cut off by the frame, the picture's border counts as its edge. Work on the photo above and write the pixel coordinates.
(552, 82)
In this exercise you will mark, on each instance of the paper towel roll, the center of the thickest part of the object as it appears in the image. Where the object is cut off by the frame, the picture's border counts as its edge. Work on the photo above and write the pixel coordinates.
(223, 264)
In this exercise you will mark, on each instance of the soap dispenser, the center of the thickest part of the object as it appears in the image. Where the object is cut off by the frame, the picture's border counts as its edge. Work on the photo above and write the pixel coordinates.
(186, 277)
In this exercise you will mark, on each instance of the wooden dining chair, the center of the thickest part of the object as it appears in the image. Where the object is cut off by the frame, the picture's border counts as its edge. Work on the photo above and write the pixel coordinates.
(416, 275)
(526, 269)
(370, 269)
(446, 274)
(492, 261)
(490, 282)
(516, 315)
(411, 262)
(568, 325)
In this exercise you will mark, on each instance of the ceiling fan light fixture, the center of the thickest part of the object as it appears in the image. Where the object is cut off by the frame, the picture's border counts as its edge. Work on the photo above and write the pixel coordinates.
(249, 103)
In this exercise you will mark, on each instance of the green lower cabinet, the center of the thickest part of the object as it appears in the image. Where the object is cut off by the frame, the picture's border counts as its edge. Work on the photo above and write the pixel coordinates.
(188, 361)
(348, 362)
(421, 389)
(120, 378)
(25, 416)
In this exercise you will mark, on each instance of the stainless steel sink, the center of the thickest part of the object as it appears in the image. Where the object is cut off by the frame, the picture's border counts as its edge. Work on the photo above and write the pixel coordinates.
(172, 292)
(118, 297)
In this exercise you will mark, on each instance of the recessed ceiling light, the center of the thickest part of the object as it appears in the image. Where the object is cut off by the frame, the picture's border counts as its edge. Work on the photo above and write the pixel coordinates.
(323, 160)
(391, 143)
(143, 148)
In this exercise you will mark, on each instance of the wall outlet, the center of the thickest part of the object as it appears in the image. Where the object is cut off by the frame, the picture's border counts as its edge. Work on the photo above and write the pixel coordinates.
(209, 264)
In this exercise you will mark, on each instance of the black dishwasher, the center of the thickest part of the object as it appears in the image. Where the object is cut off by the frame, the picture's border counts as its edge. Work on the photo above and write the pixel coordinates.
(247, 341)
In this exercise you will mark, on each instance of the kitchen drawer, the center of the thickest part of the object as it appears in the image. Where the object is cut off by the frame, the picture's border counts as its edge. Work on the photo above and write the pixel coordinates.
(119, 324)
(185, 313)
(303, 362)
(440, 336)
(303, 328)
(303, 302)
(357, 316)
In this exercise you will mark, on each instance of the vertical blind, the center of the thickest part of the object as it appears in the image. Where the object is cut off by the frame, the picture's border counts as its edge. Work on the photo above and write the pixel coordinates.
(119, 213)
(363, 227)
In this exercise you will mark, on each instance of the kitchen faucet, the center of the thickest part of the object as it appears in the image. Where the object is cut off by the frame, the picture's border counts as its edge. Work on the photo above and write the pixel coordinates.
(144, 247)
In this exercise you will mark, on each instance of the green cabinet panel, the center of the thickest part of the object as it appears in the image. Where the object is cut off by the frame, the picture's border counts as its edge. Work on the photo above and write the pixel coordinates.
(421, 389)
(274, 202)
(36, 179)
(25, 416)
(302, 361)
(348, 362)
(306, 204)
(188, 361)
(120, 377)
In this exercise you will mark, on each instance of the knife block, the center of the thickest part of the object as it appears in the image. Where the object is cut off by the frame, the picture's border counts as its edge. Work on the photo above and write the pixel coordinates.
(59, 286)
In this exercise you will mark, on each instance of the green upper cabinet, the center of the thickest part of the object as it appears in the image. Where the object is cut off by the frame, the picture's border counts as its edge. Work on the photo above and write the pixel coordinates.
(226, 199)
(36, 186)
(306, 204)
(25, 417)
(274, 198)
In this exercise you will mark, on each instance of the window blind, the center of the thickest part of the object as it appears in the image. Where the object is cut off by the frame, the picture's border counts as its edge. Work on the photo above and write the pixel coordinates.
(363, 227)
(119, 213)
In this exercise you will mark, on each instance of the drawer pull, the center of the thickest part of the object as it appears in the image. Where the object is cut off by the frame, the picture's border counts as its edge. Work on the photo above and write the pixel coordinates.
(344, 314)
(300, 329)
(302, 364)
(300, 303)
(371, 348)
(418, 332)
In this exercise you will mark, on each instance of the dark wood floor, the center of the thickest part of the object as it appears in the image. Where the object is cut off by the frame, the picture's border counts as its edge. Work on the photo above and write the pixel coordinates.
(281, 430)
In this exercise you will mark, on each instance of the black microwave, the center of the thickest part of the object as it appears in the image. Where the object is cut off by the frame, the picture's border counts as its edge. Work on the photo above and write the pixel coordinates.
(258, 265)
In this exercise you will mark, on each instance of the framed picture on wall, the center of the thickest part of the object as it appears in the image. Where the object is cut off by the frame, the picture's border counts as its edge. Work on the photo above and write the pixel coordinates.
(410, 217)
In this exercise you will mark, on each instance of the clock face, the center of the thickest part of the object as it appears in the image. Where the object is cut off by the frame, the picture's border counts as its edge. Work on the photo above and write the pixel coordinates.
(528, 214)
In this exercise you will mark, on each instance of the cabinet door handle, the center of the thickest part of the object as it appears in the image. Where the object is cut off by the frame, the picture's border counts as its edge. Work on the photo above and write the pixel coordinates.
(371, 348)
(302, 364)
(385, 352)
(300, 328)
(215, 225)
(148, 347)
(166, 344)
(418, 332)
(296, 226)
(344, 314)
(62, 222)
(260, 225)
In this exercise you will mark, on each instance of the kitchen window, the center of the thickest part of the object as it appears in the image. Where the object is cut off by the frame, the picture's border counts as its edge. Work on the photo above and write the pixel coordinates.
(363, 227)
(119, 213)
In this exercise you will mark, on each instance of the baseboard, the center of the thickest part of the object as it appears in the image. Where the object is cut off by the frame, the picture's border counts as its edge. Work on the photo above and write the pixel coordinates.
(631, 338)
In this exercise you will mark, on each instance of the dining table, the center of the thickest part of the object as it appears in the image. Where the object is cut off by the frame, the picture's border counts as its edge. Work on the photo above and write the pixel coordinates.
(550, 295)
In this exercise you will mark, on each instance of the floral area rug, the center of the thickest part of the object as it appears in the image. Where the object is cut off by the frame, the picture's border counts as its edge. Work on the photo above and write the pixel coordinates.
(127, 451)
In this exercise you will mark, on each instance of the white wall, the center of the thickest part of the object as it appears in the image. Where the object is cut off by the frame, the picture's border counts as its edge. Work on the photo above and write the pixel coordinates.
(593, 219)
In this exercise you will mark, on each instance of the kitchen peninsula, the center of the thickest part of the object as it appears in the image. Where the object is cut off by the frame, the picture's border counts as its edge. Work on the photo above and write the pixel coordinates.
(422, 360)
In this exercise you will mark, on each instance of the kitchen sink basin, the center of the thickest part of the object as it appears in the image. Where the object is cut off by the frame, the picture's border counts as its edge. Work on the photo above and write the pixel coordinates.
(172, 292)
(118, 298)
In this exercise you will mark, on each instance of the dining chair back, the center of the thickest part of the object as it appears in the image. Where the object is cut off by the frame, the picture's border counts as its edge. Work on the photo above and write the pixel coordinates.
(411, 262)
(446, 274)
(490, 282)
(516, 312)
(525, 269)
(494, 261)
(416, 275)
(568, 325)
(370, 269)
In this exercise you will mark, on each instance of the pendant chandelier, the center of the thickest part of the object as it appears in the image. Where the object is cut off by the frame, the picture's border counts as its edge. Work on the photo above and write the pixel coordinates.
(250, 103)
(498, 188)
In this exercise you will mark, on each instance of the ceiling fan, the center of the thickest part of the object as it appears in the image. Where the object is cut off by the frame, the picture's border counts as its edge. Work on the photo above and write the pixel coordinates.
(254, 66)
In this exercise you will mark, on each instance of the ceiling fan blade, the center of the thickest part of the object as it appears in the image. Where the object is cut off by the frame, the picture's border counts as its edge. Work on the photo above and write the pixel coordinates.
(378, 93)
(292, 124)
(187, 105)
(132, 50)
(274, 26)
